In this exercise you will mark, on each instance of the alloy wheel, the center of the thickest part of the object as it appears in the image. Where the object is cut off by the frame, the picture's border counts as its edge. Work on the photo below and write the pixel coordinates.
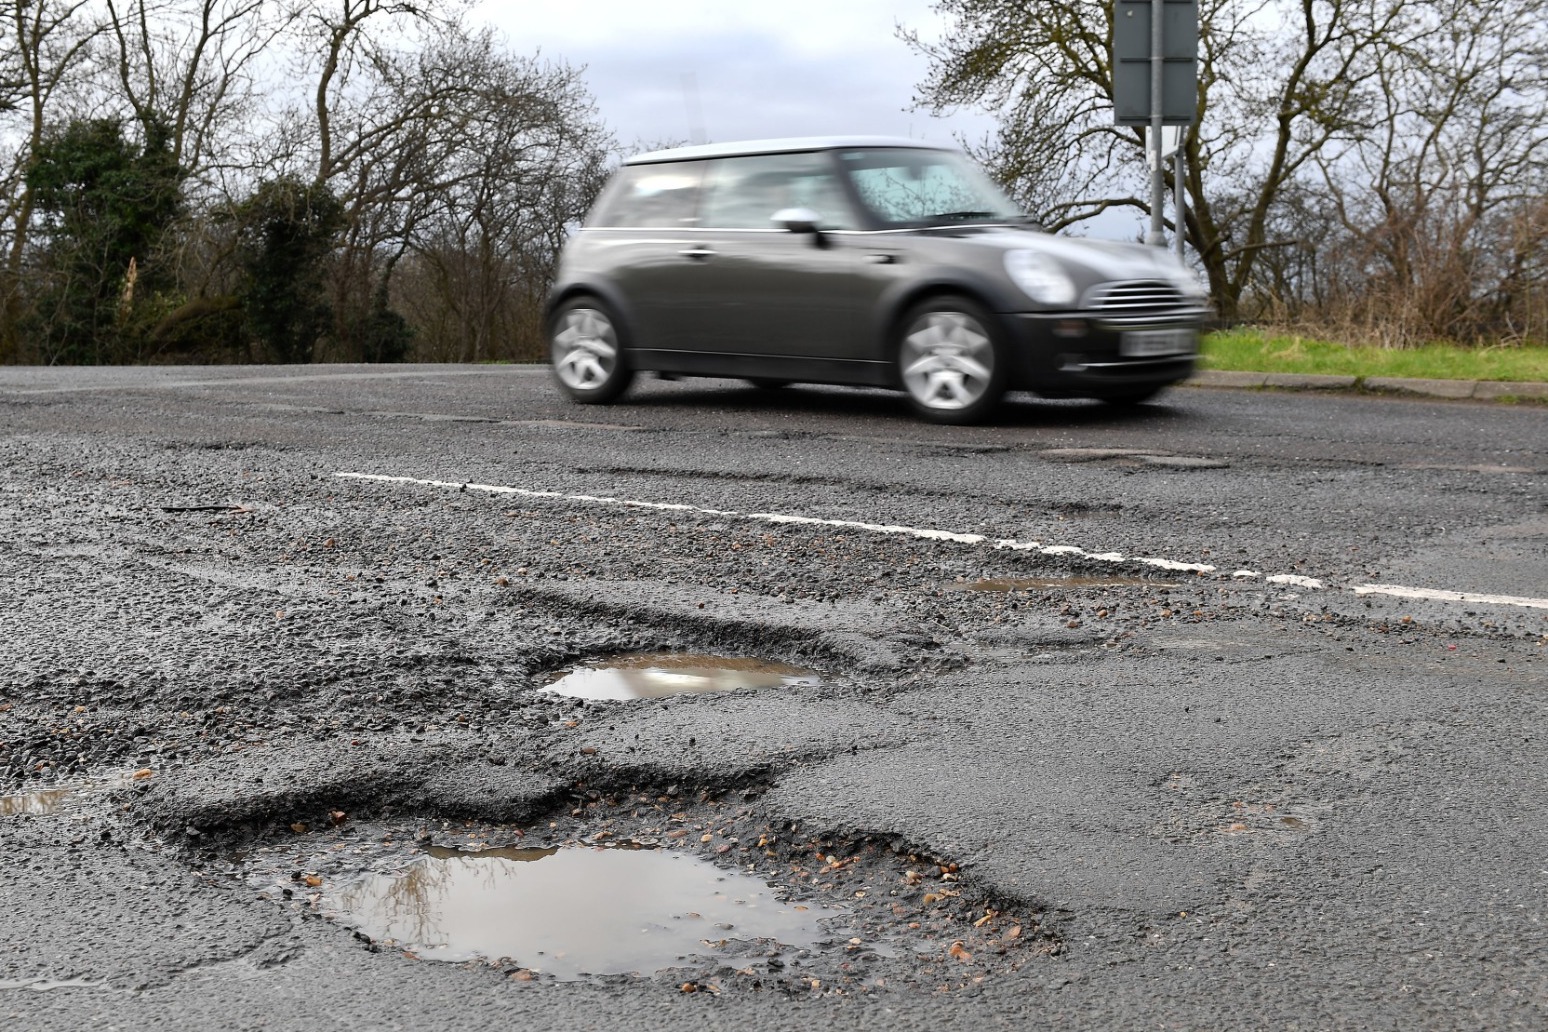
(585, 349)
(946, 360)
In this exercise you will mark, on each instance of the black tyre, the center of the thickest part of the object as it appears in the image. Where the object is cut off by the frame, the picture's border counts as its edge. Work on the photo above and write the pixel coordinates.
(951, 360)
(586, 351)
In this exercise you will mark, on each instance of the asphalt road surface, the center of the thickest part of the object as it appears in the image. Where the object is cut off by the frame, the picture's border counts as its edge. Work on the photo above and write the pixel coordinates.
(1223, 712)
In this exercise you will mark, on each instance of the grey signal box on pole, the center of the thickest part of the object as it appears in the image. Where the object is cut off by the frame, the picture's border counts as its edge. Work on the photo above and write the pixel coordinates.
(1132, 50)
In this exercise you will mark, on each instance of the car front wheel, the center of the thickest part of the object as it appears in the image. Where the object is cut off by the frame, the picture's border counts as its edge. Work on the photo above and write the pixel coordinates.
(951, 360)
(586, 351)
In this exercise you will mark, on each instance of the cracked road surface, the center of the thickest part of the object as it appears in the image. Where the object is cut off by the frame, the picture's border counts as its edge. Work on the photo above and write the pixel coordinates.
(1110, 727)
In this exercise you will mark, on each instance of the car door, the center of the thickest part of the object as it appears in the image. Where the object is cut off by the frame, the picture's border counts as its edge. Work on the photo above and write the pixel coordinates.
(773, 302)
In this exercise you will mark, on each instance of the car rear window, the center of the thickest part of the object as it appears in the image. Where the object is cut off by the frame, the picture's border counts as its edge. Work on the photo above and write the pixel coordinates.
(650, 196)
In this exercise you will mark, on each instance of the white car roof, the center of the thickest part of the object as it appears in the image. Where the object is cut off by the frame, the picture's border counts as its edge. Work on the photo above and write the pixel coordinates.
(793, 144)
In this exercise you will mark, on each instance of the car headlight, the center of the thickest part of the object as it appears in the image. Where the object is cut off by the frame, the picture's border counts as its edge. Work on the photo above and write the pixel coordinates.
(1040, 277)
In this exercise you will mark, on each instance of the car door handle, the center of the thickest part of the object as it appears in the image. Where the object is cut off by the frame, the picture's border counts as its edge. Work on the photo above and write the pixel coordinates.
(881, 259)
(698, 254)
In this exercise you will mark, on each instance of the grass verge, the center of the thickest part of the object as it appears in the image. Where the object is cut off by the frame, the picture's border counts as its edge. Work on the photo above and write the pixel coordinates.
(1265, 351)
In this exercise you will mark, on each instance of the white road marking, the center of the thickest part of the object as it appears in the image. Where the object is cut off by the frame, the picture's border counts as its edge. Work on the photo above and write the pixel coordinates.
(928, 534)
(1437, 595)
(1295, 580)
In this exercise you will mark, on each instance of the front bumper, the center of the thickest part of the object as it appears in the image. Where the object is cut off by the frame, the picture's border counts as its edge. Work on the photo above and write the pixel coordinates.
(1080, 354)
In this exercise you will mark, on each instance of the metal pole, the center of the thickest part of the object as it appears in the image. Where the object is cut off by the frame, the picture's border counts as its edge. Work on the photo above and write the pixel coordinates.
(1180, 198)
(1157, 235)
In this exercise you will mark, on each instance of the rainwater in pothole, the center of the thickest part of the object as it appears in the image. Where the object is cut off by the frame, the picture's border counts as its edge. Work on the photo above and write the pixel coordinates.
(1009, 584)
(578, 911)
(655, 675)
(45, 801)
(34, 803)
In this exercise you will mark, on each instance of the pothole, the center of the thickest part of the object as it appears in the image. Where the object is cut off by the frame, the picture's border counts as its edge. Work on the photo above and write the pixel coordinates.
(655, 675)
(43, 802)
(1130, 456)
(709, 895)
(34, 803)
(578, 911)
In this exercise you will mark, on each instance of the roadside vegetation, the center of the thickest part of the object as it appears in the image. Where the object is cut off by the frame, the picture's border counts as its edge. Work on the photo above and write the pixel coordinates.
(261, 180)
(1280, 351)
(384, 180)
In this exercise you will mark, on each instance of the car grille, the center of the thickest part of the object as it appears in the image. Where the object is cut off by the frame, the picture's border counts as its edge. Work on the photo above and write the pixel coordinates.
(1133, 296)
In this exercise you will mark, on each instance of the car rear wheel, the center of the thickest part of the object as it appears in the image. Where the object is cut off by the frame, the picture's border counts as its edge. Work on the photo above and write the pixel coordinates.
(586, 351)
(951, 360)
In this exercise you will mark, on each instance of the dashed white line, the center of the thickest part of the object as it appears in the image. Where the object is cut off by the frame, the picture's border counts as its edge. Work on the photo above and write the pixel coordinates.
(929, 534)
(1435, 594)
(1296, 581)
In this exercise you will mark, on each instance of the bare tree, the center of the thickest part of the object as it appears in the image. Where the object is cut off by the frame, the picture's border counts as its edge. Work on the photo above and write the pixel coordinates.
(193, 68)
(346, 44)
(43, 54)
(486, 158)
(1439, 191)
(1278, 79)
(456, 166)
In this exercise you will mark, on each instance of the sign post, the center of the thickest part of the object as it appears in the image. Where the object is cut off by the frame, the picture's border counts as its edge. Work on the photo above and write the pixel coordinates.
(1155, 84)
(1180, 206)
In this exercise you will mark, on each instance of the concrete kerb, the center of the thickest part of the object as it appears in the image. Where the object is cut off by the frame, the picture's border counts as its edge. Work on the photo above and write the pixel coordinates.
(1432, 388)
(1481, 390)
(1493, 389)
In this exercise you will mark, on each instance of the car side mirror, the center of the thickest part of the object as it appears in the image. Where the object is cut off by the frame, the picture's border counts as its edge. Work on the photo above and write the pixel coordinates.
(797, 220)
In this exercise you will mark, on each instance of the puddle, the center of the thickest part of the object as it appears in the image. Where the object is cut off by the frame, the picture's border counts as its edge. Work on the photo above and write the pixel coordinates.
(660, 674)
(34, 803)
(43, 801)
(578, 911)
(520, 854)
(1004, 584)
(716, 895)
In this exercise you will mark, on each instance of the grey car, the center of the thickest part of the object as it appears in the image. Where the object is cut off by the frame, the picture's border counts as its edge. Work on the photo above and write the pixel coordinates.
(861, 261)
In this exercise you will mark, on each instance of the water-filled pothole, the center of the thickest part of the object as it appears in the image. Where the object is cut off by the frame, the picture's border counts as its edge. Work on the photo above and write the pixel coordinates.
(579, 911)
(888, 917)
(655, 675)
(1008, 584)
(34, 803)
(45, 801)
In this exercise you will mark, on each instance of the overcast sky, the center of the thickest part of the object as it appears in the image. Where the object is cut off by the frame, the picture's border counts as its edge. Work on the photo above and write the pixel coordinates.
(664, 70)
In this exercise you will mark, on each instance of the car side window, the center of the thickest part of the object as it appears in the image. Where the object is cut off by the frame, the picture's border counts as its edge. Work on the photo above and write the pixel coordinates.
(745, 192)
(662, 196)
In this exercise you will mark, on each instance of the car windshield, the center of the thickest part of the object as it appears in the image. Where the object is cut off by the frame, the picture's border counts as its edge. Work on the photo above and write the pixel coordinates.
(919, 187)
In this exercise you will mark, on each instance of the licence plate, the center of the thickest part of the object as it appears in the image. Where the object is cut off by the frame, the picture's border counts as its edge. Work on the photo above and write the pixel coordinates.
(1147, 343)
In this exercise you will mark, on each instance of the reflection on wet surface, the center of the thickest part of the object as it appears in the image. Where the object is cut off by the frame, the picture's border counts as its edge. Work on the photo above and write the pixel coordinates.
(34, 803)
(520, 854)
(577, 911)
(654, 675)
(43, 801)
(1053, 583)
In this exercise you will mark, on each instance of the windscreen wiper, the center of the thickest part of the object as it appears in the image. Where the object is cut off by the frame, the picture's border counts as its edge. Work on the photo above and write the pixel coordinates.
(962, 214)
